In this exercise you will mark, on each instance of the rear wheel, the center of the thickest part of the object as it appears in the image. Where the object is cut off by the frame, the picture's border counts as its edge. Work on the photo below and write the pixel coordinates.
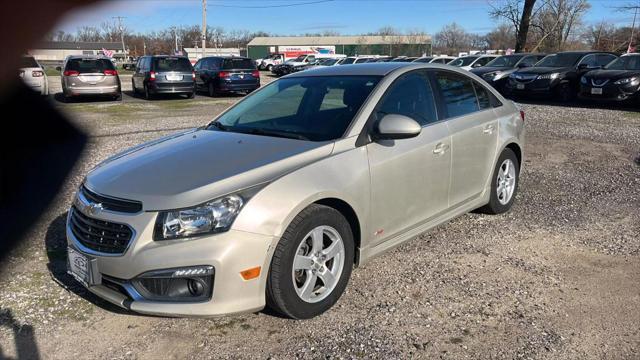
(269, 67)
(191, 95)
(118, 97)
(211, 90)
(504, 184)
(147, 94)
(312, 263)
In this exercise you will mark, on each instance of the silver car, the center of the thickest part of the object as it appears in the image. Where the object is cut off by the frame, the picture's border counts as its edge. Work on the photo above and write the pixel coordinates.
(32, 73)
(277, 199)
(89, 75)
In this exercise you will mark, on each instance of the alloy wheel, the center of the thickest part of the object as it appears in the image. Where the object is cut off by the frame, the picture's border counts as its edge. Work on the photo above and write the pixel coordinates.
(506, 182)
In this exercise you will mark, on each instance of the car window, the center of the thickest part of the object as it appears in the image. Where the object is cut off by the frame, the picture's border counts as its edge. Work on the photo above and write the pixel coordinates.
(463, 61)
(589, 60)
(483, 61)
(315, 108)
(87, 66)
(28, 62)
(604, 59)
(529, 60)
(147, 64)
(484, 99)
(410, 95)
(172, 64)
(628, 62)
(457, 93)
(238, 63)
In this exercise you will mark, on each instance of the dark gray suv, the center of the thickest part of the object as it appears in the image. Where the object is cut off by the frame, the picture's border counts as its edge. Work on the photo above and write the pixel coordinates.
(162, 74)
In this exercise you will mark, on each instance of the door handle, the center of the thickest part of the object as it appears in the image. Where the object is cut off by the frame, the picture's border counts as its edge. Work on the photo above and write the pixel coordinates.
(488, 129)
(440, 149)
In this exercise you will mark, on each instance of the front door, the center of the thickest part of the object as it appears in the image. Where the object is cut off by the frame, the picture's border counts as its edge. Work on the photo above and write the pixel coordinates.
(409, 177)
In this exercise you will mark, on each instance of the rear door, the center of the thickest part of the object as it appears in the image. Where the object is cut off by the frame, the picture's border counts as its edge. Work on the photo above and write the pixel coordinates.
(173, 70)
(91, 72)
(241, 70)
(474, 134)
(409, 177)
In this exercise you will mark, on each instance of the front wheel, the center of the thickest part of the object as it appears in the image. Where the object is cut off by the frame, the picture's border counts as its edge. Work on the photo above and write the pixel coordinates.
(312, 263)
(504, 184)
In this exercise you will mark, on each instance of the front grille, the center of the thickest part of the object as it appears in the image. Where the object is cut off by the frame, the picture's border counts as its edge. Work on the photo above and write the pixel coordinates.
(113, 204)
(99, 235)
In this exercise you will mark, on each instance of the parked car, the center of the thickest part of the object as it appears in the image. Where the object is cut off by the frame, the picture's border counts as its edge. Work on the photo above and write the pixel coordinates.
(32, 73)
(89, 75)
(268, 62)
(358, 59)
(617, 81)
(404, 59)
(302, 62)
(556, 75)
(471, 61)
(163, 74)
(281, 195)
(434, 59)
(219, 74)
(497, 71)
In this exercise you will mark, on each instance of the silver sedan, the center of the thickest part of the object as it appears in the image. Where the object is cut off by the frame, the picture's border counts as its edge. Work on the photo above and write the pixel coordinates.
(276, 200)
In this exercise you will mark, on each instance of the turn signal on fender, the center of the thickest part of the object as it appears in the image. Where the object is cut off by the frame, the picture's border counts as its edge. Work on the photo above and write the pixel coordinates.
(250, 273)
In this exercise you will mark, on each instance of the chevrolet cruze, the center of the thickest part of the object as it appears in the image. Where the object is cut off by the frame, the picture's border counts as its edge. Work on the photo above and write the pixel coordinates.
(276, 200)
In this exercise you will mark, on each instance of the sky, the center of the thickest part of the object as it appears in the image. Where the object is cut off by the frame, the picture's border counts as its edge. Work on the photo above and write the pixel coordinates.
(306, 16)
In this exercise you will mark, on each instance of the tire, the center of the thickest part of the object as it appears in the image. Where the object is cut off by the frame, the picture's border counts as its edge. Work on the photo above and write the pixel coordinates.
(191, 95)
(286, 287)
(497, 203)
(211, 90)
(564, 93)
(147, 94)
(118, 97)
(133, 89)
(269, 67)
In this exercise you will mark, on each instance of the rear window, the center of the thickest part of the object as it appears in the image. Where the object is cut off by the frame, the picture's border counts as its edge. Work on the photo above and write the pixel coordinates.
(87, 66)
(239, 63)
(28, 62)
(172, 64)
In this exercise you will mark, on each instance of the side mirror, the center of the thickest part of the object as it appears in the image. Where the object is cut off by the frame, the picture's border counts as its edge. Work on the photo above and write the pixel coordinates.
(476, 65)
(59, 68)
(395, 126)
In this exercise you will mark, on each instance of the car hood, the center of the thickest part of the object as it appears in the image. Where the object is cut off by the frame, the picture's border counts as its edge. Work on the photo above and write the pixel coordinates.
(193, 167)
(487, 69)
(538, 70)
(611, 74)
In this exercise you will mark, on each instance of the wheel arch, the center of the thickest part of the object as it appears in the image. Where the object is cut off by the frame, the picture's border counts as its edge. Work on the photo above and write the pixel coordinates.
(352, 218)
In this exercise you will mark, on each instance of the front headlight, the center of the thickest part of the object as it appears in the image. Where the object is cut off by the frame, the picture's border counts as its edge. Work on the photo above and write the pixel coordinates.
(583, 80)
(633, 81)
(551, 76)
(490, 75)
(211, 217)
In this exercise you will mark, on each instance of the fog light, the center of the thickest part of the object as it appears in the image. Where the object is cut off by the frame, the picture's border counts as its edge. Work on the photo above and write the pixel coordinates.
(189, 284)
(196, 288)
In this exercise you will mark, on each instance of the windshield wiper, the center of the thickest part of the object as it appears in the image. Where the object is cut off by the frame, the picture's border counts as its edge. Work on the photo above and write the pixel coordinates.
(220, 126)
(282, 134)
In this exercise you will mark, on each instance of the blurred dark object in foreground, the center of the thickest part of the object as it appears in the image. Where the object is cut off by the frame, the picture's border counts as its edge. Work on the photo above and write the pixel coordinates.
(37, 151)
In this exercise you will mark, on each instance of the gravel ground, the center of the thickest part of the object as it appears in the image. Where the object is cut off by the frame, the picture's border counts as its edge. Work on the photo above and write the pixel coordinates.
(557, 277)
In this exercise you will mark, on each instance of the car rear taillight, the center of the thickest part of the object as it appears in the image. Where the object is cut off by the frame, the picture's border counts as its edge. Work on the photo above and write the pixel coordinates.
(152, 75)
(193, 75)
(522, 115)
(224, 74)
(111, 72)
(71, 73)
(255, 73)
(37, 73)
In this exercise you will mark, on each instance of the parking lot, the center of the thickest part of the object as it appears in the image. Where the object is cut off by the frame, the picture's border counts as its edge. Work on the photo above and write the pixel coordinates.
(557, 277)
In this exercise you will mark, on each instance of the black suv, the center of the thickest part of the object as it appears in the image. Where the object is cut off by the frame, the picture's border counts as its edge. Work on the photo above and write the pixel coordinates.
(618, 81)
(163, 74)
(497, 71)
(557, 75)
(226, 74)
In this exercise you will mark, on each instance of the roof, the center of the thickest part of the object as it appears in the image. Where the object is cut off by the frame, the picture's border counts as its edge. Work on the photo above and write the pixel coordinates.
(338, 40)
(80, 45)
(371, 69)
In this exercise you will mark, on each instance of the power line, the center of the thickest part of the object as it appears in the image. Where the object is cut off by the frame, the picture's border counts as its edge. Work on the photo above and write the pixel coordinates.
(271, 6)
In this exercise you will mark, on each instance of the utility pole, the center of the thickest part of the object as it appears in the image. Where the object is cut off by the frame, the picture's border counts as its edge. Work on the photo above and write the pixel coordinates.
(175, 34)
(633, 27)
(124, 53)
(144, 46)
(204, 27)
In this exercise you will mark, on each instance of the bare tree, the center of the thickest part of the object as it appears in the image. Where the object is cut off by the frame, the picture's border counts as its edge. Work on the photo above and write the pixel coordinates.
(502, 37)
(88, 33)
(452, 38)
(518, 13)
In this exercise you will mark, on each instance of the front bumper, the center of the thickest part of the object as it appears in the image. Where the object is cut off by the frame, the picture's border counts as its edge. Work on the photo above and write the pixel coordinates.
(535, 88)
(610, 92)
(229, 253)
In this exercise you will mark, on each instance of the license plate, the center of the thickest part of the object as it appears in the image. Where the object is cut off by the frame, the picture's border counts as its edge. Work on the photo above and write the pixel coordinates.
(171, 77)
(79, 267)
(596, 91)
(520, 86)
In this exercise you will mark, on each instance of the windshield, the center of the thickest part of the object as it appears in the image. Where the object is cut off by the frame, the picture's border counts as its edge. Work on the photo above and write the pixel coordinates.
(559, 60)
(238, 63)
(625, 63)
(316, 108)
(173, 64)
(299, 58)
(328, 62)
(89, 66)
(505, 61)
(28, 62)
(463, 61)
(348, 60)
